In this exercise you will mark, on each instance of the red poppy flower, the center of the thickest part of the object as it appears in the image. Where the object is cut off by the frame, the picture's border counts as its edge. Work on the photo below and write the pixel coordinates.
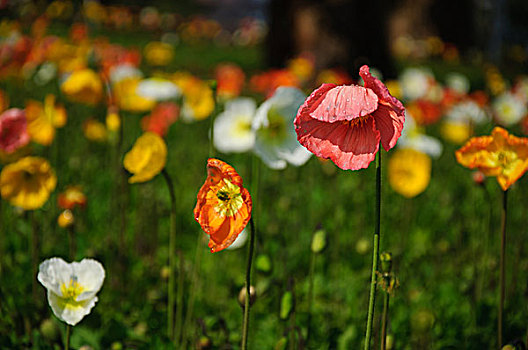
(72, 197)
(347, 123)
(224, 207)
(161, 118)
(13, 130)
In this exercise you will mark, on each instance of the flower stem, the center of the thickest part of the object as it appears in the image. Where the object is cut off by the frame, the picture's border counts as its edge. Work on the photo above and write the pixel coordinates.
(71, 242)
(375, 254)
(245, 325)
(34, 256)
(214, 86)
(179, 311)
(384, 319)
(502, 266)
(67, 342)
(310, 292)
(172, 253)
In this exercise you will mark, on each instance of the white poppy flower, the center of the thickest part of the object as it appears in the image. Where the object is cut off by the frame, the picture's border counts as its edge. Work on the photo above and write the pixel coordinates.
(158, 89)
(468, 111)
(72, 288)
(232, 128)
(458, 82)
(413, 137)
(276, 140)
(509, 109)
(415, 82)
(124, 71)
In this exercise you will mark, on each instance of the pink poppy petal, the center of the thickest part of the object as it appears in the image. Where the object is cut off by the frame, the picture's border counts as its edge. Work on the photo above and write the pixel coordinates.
(13, 130)
(345, 102)
(390, 115)
(349, 147)
(390, 125)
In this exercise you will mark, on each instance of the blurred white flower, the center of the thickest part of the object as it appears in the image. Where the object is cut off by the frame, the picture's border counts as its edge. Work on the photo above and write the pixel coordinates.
(468, 111)
(521, 88)
(158, 89)
(276, 140)
(508, 109)
(72, 288)
(412, 137)
(232, 128)
(46, 72)
(458, 82)
(124, 71)
(415, 82)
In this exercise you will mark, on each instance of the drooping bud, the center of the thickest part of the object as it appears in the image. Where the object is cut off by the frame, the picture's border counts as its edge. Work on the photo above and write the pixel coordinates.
(242, 296)
(65, 218)
(319, 241)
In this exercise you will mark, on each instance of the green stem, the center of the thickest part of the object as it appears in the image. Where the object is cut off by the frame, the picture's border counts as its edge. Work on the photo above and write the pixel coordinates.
(71, 242)
(34, 256)
(179, 311)
(384, 319)
(375, 254)
(172, 253)
(502, 266)
(214, 86)
(245, 325)
(192, 294)
(310, 293)
(68, 333)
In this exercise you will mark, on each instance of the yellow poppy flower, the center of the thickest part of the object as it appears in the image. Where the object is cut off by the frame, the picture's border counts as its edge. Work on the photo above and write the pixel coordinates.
(43, 119)
(409, 172)
(501, 154)
(455, 132)
(158, 53)
(94, 130)
(28, 182)
(198, 101)
(146, 158)
(83, 86)
(127, 98)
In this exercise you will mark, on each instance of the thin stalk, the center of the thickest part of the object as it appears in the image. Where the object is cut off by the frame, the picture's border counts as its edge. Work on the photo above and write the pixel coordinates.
(310, 293)
(214, 86)
(179, 311)
(71, 242)
(68, 333)
(245, 325)
(384, 319)
(34, 256)
(375, 254)
(193, 288)
(502, 267)
(172, 253)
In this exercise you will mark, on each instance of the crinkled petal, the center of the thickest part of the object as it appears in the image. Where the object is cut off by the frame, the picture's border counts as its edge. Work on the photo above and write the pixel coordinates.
(53, 273)
(71, 313)
(90, 274)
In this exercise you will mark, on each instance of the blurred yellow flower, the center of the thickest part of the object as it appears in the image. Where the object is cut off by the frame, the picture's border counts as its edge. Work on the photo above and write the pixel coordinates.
(147, 157)
(44, 118)
(83, 86)
(94, 130)
(455, 132)
(198, 101)
(394, 88)
(125, 92)
(113, 122)
(409, 172)
(28, 182)
(158, 54)
(65, 218)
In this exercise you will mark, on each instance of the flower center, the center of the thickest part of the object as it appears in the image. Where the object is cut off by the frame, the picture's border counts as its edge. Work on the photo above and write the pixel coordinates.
(357, 121)
(506, 159)
(229, 199)
(72, 290)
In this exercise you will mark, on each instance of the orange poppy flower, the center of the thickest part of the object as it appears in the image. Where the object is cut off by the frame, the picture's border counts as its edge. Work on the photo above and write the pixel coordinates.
(501, 154)
(224, 207)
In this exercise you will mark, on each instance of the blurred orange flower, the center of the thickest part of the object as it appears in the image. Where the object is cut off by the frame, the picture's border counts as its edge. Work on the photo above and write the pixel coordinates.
(230, 78)
(72, 197)
(224, 207)
(501, 155)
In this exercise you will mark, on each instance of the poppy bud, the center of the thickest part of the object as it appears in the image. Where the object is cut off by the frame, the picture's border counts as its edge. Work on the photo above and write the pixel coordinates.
(242, 296)
(65, 219)
(204, 343)
(478, 177)
(319, 241)
(386, 262)
(263, 263)
(49, 329)
(165, 272)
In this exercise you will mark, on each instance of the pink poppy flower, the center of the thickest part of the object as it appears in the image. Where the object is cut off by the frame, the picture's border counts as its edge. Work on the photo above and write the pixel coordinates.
(13, 130)
(347, 123)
